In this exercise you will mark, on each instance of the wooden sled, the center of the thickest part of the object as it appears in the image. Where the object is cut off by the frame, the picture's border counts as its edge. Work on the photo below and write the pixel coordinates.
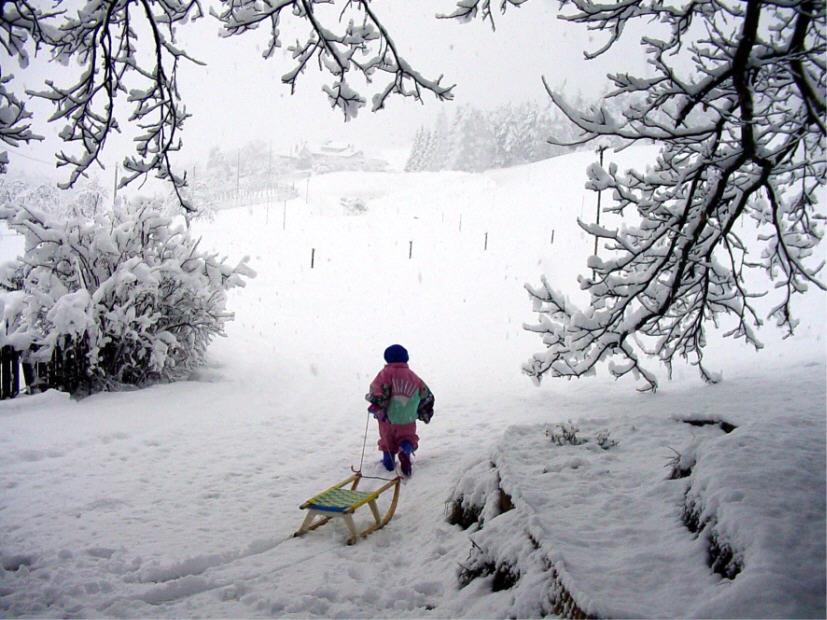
(340, 502)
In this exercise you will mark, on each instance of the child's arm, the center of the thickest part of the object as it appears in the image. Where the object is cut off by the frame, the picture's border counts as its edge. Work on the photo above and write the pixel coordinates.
(379, 396)
(425, 411)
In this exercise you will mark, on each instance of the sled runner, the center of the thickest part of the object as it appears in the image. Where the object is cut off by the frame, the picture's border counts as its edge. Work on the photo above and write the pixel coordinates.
(340, 502)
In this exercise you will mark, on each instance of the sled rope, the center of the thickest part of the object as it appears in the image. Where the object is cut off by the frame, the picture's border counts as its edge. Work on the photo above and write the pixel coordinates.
(340, 502)
(364, 445)
(362, 460)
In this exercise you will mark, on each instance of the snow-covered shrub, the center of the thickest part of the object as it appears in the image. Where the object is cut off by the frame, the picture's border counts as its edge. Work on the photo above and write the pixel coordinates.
(564, 434)
(466, 506)
(604, 440)
(353, 205)
(125, 286)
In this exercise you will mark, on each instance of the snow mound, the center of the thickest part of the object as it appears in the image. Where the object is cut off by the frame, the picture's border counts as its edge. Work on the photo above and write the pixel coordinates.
(664, 513)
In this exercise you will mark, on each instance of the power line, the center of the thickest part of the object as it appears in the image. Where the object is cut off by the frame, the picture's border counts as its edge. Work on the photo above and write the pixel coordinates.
(29, 157)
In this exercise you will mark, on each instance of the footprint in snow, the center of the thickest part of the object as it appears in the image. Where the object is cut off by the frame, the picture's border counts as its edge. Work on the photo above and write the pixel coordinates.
(429, 588)
(102, 553)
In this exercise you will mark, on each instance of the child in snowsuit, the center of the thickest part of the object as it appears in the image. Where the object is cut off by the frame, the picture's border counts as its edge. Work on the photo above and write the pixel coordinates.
(398, 397)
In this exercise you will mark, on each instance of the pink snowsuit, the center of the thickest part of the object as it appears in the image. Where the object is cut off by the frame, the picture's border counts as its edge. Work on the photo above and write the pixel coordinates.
(395, 396)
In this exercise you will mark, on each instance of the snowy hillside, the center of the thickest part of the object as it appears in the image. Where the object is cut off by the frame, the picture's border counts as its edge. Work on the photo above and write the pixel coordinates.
(180, 500)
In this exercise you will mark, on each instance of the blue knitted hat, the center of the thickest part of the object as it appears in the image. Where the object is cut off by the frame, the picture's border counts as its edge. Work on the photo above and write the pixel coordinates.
(396, 353)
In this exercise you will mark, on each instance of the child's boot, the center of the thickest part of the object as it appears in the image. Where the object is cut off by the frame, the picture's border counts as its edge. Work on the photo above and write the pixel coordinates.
(405, 451)
(405, 464)
(388, 461)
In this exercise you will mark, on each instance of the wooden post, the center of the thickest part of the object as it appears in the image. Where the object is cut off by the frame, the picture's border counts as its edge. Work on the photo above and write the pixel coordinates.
(312, 258)
(5, 375)
(15, 373)
(486, 243)
(51, 381)
(410, 250)
(552, 236)
(238, 175)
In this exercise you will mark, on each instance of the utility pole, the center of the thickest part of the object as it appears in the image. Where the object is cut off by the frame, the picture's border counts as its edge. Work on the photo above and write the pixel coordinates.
(600, 150)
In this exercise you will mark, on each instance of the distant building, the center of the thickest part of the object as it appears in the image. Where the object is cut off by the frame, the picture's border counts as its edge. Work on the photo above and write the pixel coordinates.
(333, 149)
(333, 156)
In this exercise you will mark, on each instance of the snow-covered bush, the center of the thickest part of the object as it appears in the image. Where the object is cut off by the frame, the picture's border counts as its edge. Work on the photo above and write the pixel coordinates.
(126, 286)
(564, 434)
(604, 439)
(353, 205)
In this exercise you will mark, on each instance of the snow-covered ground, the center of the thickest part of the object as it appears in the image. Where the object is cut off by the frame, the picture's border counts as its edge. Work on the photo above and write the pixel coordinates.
(180, 500)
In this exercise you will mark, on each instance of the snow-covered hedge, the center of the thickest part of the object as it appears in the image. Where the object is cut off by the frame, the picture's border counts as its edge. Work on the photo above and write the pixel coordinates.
(126, 286)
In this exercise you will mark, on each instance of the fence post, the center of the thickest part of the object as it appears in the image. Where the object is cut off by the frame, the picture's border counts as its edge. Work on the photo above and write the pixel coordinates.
(55, 369)
(238, 175)
(410, 250)
(5, 375)
(312, 258)
(15, 373)
(485, 248)
(29, 375)
(9, 372)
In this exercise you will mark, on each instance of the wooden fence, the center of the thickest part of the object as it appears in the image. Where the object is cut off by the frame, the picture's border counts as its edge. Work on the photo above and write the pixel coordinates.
(65, 371)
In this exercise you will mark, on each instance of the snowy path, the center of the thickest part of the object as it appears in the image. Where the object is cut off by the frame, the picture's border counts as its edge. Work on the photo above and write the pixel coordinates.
(186, 512)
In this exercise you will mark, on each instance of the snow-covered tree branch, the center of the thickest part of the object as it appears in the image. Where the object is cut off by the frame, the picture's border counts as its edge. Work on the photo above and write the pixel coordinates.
(363, 46)
(127, 49)
(469, 9)
(736, 102)
(102, 37)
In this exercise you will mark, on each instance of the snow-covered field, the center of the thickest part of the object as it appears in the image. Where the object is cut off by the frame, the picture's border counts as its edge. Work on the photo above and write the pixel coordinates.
(180, 500)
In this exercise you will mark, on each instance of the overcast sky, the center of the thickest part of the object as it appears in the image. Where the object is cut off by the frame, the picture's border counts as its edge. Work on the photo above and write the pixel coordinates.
(238, 96)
